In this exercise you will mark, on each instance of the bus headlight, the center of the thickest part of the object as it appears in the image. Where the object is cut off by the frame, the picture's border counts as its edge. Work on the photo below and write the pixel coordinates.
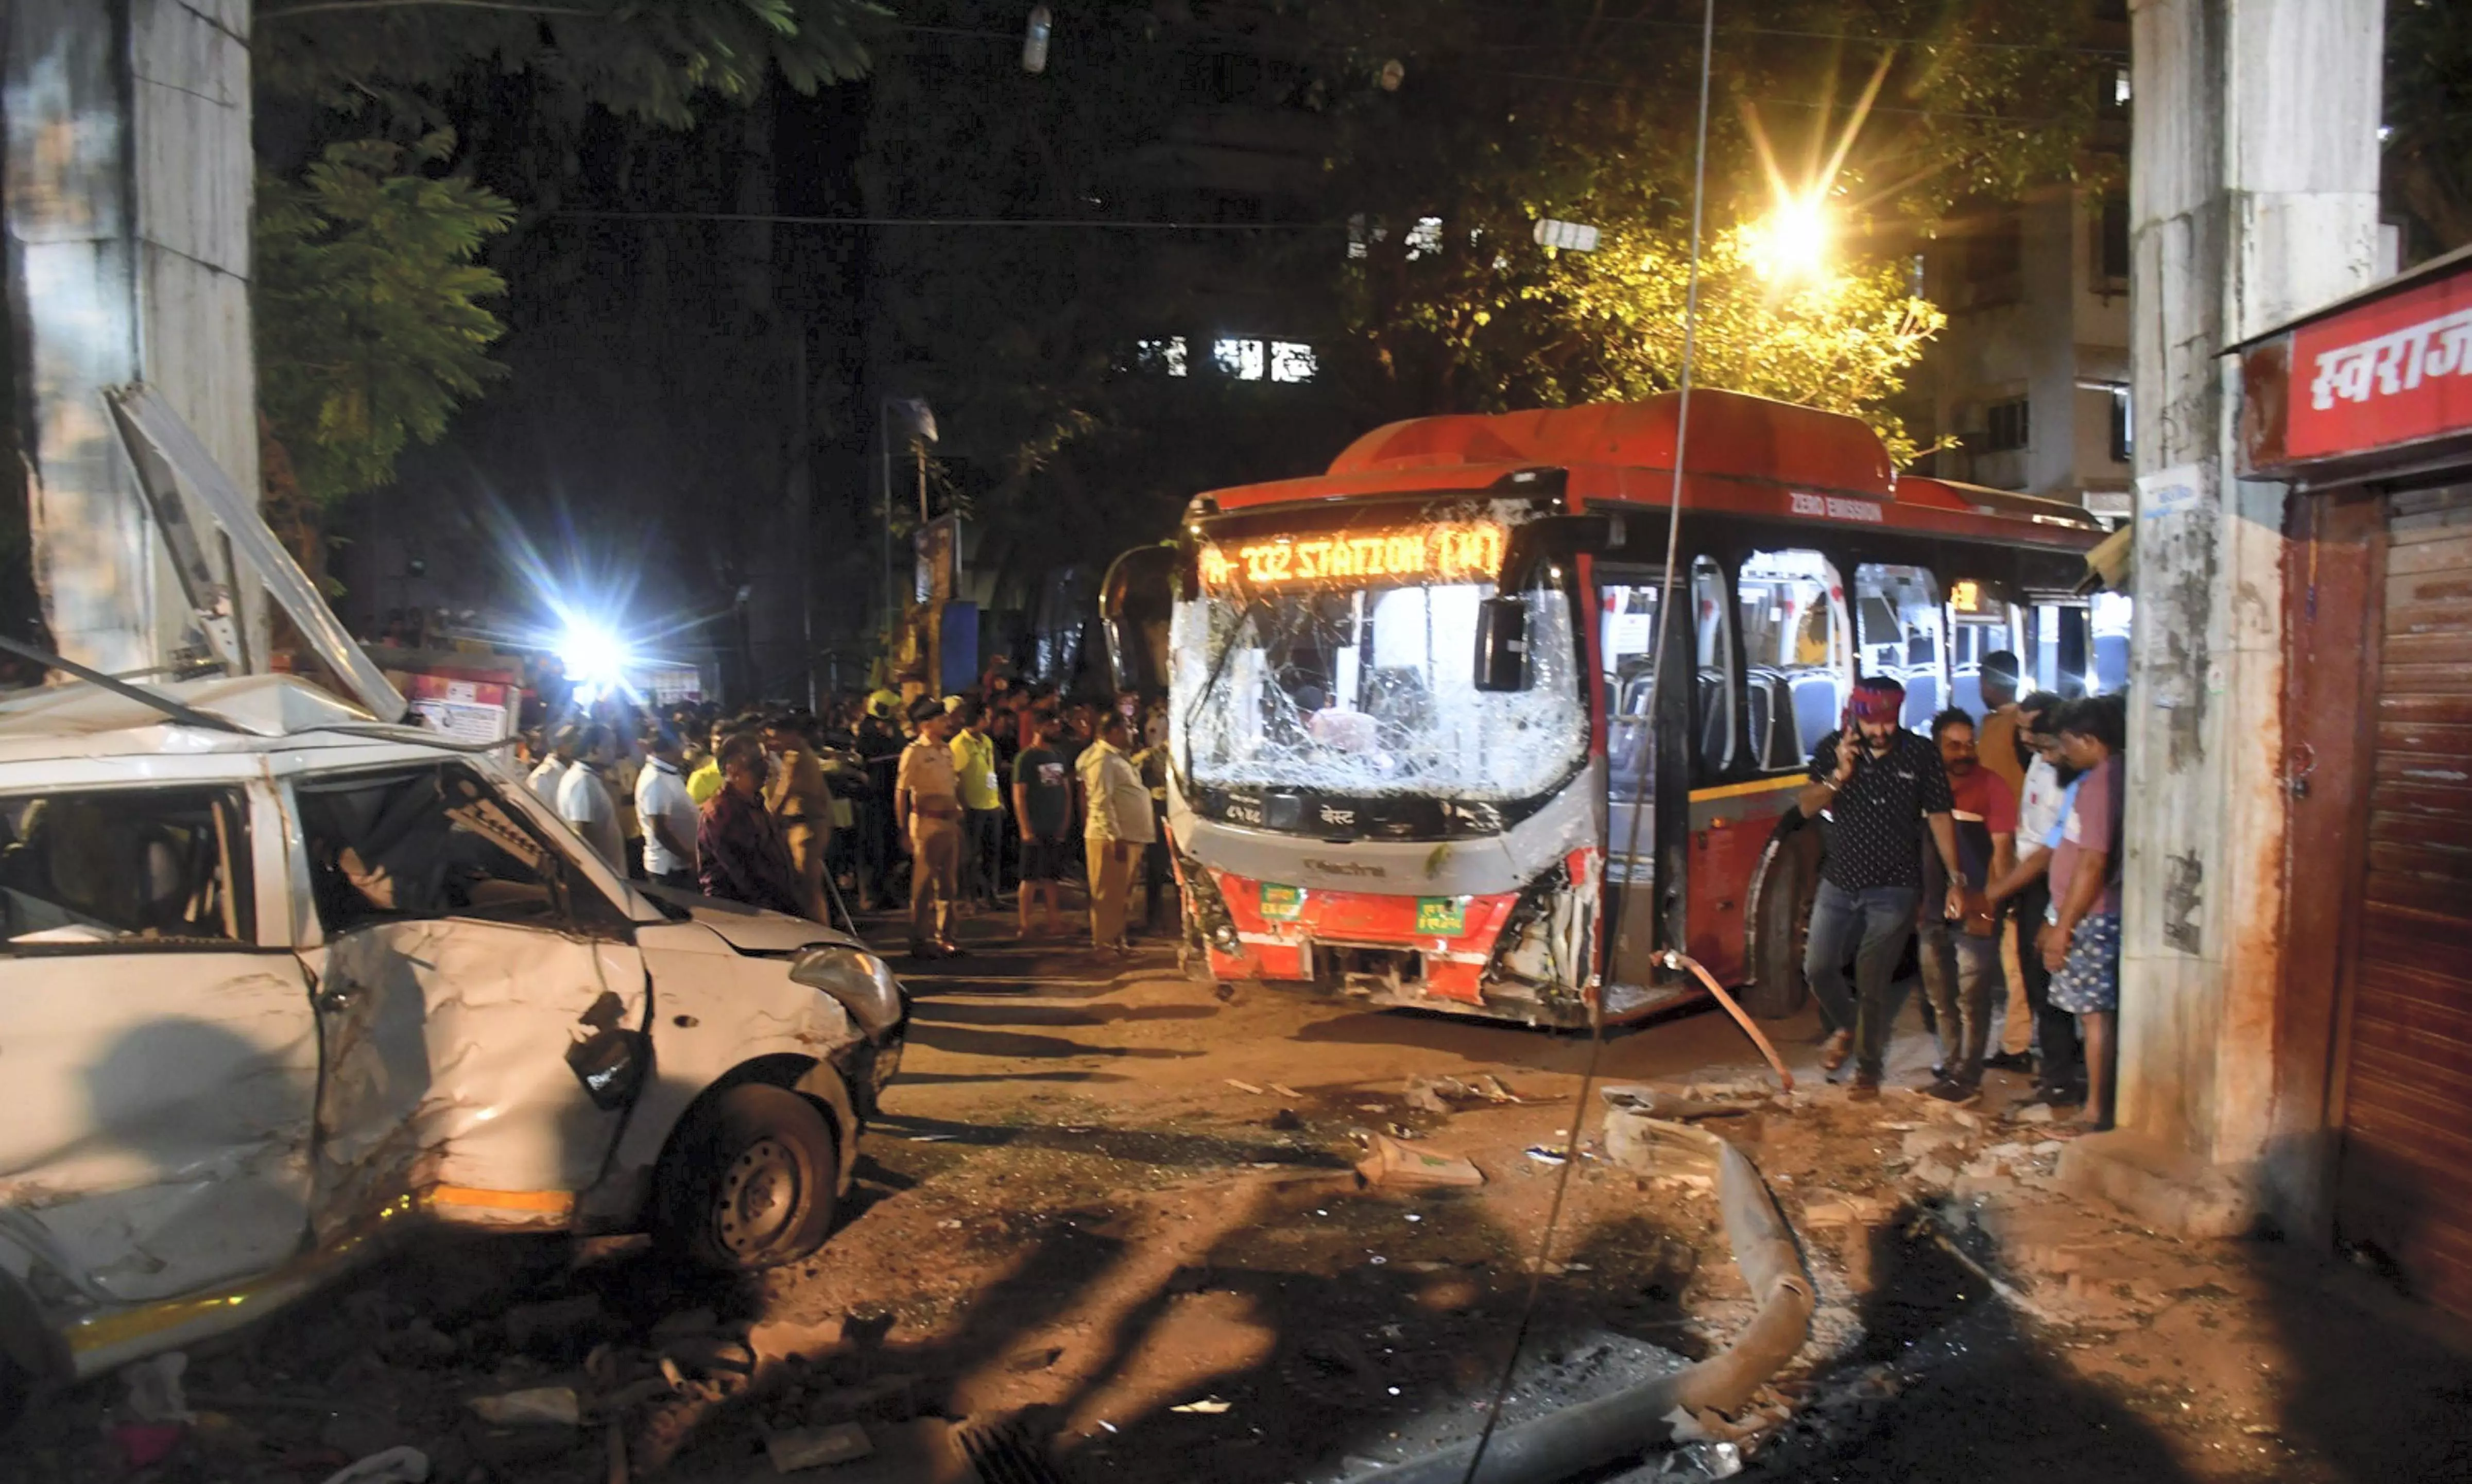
(1209, 907)
(860, 982)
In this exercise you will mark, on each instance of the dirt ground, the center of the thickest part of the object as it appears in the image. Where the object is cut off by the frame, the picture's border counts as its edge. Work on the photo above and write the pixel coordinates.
(1111, 1224)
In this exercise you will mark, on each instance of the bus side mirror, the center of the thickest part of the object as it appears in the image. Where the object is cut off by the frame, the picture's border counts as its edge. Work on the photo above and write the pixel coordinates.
(1501, 644)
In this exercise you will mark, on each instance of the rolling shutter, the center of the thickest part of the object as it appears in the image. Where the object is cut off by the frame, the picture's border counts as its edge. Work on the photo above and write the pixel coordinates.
(2405, 1186)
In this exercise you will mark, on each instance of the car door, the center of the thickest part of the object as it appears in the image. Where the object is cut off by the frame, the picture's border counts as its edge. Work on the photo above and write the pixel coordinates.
(462, 952)
(161, 1062)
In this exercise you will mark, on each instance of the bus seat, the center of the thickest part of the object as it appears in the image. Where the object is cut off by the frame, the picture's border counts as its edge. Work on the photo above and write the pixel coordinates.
(1817, 707)
(1922, 697)
(1966, 690)
(1714, 717)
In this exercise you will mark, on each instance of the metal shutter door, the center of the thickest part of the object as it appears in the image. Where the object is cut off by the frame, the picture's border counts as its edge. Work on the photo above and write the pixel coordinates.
(2405, 1186)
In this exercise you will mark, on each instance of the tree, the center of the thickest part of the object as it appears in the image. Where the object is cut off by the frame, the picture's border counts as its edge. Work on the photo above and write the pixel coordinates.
(1885, 117)
(363, 264)
(1555, 328)
(370, 326)
(2429, 117)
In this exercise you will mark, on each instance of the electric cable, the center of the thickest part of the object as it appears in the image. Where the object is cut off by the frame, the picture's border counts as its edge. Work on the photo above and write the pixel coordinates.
(1616, 904)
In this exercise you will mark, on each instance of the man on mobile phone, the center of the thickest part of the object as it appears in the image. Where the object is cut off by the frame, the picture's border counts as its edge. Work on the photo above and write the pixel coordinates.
(1876, 787)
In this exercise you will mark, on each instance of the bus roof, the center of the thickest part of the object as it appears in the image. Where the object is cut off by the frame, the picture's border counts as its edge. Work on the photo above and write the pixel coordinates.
(1748, 456)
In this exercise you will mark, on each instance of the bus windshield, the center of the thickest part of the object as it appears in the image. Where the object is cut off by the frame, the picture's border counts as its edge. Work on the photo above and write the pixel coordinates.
(1367, 690)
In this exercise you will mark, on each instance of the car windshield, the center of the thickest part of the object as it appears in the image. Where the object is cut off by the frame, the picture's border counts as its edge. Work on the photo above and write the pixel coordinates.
(1367, 689)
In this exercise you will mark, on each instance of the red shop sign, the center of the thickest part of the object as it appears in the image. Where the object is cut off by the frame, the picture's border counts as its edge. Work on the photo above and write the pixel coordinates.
(2396, 371)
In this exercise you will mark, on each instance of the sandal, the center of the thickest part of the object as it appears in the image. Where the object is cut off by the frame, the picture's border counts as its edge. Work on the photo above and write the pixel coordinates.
(1834, 1051)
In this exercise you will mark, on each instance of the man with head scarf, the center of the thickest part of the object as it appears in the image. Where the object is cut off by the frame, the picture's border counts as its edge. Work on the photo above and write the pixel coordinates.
(1875, 787)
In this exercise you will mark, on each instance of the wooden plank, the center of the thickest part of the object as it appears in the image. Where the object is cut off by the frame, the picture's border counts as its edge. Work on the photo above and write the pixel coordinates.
(2391, 888)
(2412, 1077)
(2442, 497)
(2415, 980)
(2437, 592)
(2392, 931)
(2407, 653)
(2443, 739)
(2431, 709)
(2414, 560)
(2406, 813)
(2430, 677)
(2430, 863)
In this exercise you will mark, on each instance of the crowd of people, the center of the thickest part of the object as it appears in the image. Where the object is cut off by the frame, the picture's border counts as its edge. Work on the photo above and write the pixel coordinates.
(950, 802)
(1984, 860)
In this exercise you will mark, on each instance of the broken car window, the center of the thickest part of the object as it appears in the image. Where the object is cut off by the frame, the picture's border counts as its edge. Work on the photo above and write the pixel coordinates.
(128, 866)
(427, 842)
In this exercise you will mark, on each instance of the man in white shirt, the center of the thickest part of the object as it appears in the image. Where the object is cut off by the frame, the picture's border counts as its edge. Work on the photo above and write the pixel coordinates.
(583, 800)
(2039, 809)
(545, 780)
(1115, 830)
(668, 814)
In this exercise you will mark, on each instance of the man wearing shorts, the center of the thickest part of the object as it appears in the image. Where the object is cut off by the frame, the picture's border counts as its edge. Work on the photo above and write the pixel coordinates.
(2082, 944)
(1042, 805)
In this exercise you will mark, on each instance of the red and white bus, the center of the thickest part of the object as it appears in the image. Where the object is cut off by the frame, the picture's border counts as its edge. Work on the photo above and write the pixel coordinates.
(1393, 781)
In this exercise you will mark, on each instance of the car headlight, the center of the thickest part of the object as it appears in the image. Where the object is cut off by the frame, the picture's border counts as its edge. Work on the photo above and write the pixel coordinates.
(860, 982)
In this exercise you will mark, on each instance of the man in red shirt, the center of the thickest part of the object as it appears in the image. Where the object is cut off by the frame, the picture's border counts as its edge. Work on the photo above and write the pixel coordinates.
(1960, 955)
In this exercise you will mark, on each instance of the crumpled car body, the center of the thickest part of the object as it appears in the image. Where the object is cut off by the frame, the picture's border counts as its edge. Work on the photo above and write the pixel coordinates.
(267, 995)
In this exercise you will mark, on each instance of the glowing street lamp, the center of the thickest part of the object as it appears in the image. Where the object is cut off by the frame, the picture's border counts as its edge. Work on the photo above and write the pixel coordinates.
(1790, 244)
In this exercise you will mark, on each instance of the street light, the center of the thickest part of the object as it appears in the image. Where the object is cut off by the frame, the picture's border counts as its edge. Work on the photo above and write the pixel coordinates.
(1790, 244)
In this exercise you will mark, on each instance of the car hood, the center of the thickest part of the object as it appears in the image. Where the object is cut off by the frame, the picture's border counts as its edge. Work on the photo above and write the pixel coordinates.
(751, 930)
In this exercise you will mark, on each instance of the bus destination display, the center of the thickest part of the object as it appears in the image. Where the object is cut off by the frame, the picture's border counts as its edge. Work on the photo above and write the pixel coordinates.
(1444, 552)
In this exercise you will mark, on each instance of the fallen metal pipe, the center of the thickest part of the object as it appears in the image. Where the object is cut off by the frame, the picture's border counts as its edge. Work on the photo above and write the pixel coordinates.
(1590, 1435)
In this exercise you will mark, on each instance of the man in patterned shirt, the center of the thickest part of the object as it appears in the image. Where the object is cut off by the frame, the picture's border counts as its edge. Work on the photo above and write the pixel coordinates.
(1875, 785)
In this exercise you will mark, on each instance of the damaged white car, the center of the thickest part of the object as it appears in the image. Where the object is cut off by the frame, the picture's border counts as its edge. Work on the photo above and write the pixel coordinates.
(276, 978)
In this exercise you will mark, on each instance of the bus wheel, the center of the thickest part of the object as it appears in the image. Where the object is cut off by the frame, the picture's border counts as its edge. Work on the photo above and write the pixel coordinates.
(1781, 924)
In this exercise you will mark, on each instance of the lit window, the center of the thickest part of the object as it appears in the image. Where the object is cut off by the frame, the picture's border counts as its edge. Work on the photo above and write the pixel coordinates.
(1292, 362)
(1240, 359)
(2120, 88)
(1161, 355)
(1360, 235)
(1424, 238)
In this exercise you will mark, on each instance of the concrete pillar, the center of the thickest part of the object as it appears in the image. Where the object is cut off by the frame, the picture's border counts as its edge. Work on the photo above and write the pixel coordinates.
(2253, 184)
(129, 184)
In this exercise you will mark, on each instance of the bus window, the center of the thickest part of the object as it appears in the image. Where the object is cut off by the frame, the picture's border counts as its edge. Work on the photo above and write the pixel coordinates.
(1897, 624)
(1978, 625)
(1625, 642)
(1793, 654)
(2107, 618)
(2055, 650)
(1713, 703)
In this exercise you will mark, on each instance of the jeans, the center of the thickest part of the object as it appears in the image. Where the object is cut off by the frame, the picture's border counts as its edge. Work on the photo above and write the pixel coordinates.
(982, 848)
(1959, 971)
(1874, 922)
(2056, 1030)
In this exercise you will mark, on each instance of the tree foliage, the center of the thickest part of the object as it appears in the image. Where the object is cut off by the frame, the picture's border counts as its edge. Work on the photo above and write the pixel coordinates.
(2429, 116)
(1898, 118)
(1548, 328)
(643, 59)
(371, 324)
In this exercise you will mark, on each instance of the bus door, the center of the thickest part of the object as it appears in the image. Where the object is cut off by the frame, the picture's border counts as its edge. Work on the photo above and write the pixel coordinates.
(1651, 760)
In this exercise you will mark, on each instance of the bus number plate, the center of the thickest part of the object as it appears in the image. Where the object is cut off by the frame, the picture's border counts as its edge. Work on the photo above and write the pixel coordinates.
(1282, 904)
(1442, 914)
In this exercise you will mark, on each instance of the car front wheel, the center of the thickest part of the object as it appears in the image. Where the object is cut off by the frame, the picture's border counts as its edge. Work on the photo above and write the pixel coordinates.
(751, 1183)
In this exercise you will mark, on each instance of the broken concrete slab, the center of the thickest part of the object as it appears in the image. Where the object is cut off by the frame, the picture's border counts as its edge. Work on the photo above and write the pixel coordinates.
(814, 1447)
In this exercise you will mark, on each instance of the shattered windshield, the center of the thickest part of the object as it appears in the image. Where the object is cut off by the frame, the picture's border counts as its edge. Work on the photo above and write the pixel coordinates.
(1355, 688)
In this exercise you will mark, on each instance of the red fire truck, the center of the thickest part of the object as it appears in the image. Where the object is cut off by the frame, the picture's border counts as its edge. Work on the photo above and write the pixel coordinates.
(1417, 752)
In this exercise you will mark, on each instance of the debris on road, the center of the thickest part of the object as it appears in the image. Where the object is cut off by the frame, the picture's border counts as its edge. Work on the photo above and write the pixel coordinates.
(550, 1405)
(154, 1391)
(813, 1447)
(1243, 1087)
(1545, 1156)
(1392, 1163)
(1207, 1406)
(395, 1466)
